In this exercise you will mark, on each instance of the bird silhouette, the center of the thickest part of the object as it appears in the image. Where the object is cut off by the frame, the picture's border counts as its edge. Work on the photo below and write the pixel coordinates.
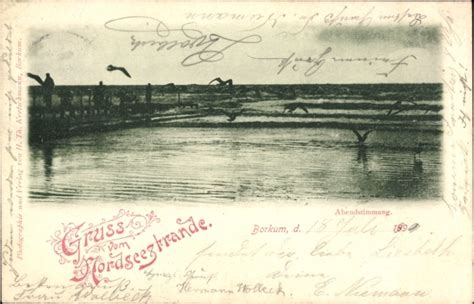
(398, 107)
(112, 68)
(35, 77)
(361, 138)
(293, 106)
(221, 82)
(232, 115)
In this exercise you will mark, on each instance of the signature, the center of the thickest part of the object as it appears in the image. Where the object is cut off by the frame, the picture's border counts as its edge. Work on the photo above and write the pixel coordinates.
(365, 287)
(205, 47)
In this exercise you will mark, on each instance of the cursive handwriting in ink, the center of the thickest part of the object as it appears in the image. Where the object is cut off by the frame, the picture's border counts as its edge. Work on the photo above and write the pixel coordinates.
(369, 287)
(341, 17)
(210, 47)
(9, 147)
(8, 53)
(448, 32)
(312, 64)
(396, 64)
(272, 19)
(295, 63)
(200, 281)
(306, 19)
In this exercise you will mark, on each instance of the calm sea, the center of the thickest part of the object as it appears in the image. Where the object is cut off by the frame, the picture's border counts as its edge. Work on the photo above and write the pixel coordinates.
(235, 165)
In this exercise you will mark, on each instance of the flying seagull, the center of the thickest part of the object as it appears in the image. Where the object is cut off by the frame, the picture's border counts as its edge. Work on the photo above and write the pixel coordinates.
(398, 106)
(293, 106)
(361, 138)
(35, 77)
(112, 68)
(222, 82)
(232, 115)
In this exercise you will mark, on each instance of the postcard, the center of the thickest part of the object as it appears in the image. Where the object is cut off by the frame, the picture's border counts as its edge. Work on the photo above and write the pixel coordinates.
(226, 152)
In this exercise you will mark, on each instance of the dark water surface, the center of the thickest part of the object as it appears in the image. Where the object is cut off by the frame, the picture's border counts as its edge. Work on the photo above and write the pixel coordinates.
(226, 165)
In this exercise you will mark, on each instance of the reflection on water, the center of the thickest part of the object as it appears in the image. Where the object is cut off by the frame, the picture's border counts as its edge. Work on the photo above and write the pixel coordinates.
(222, 165)
(47, 150)
(362, 156)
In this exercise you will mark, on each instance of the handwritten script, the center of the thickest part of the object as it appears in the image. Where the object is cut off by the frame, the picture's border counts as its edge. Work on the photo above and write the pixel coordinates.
(205, 47)
(310, 65)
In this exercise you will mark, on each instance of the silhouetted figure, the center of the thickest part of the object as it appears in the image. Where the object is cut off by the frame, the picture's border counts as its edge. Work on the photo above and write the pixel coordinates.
(99, 95)
(148, 94)
(361, 138)
(232, 115)
(47, 86)
(417, 163)
(112, 68)
(418, 150)
(293, 106)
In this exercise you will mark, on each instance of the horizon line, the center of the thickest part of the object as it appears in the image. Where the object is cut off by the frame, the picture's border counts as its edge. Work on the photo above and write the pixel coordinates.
(256, 84)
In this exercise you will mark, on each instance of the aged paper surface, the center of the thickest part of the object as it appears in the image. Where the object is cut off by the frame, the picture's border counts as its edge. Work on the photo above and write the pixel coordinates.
(229, 152)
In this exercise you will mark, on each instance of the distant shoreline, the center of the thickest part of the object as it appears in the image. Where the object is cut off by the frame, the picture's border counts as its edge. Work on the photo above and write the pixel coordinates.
(257, 85)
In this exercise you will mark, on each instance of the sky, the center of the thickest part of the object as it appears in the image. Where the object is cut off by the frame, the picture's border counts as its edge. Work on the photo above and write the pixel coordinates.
(79, 55)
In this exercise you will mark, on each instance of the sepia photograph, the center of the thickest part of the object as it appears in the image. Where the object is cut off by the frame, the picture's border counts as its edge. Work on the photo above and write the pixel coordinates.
(332, 113)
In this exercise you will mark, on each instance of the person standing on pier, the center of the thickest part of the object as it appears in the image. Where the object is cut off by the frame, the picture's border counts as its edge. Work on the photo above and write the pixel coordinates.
(99, 96)
(148, 91)
(48, 87)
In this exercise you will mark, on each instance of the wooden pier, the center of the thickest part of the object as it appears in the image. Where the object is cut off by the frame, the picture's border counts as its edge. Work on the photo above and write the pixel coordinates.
(82, 109)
